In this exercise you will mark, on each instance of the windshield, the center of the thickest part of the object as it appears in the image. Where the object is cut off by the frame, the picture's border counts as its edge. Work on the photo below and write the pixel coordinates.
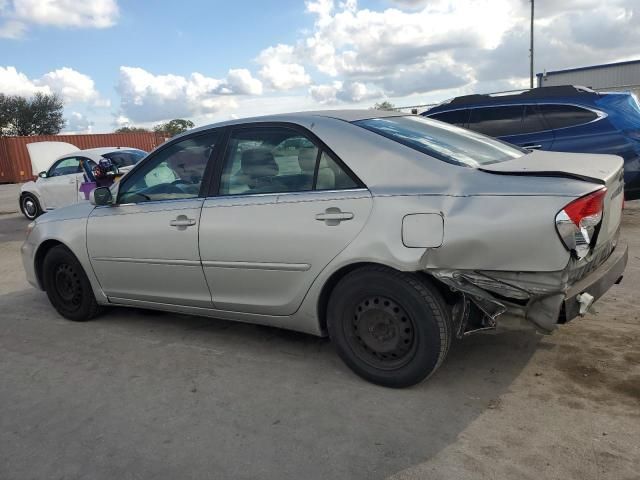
(125, 158)
(443, 141)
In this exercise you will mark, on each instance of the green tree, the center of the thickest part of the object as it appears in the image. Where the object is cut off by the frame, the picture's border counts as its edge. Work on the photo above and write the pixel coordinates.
(173, 127)
(128, 129)
(38, 115)
(384, 106)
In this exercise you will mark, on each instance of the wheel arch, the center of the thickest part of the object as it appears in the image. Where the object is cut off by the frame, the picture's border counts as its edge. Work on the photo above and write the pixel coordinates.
(328, 287)
(34, 193)
(41, 252)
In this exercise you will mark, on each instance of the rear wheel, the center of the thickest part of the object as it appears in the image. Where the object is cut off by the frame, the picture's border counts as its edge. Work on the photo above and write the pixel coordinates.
(391, 328)
(67, 285)
(29, 206)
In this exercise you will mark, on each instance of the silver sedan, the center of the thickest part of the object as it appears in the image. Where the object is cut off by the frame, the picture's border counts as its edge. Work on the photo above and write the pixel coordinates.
(390, 233)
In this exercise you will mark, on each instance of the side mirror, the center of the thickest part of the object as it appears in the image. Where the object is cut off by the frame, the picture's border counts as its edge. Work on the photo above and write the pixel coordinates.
(42, 174)
(101, 196)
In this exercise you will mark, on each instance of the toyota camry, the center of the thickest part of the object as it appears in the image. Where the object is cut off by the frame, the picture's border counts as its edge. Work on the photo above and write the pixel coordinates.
(390, 233)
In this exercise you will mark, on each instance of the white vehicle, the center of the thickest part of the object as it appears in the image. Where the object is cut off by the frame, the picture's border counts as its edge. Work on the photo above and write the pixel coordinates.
(61, 168)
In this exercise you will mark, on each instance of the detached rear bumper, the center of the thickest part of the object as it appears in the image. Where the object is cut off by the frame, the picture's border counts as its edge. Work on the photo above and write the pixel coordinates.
(597, 282)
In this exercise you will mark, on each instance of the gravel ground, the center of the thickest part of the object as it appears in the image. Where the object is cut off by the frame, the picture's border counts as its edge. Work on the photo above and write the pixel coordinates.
(139, 394)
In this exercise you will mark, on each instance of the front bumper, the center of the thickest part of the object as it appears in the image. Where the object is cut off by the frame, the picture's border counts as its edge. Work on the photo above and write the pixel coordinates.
(597, 282)
(28, 261)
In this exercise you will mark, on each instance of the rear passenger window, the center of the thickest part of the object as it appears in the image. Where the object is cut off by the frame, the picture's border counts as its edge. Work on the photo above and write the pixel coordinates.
(562, 116)
(278, 160)
(458, 118)
(532, 121)
(497, 121)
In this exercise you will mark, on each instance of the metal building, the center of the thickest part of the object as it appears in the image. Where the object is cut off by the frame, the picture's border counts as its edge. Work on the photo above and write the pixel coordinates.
(621, 76)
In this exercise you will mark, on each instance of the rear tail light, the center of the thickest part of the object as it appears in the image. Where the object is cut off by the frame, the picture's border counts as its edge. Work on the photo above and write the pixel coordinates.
(578, 222)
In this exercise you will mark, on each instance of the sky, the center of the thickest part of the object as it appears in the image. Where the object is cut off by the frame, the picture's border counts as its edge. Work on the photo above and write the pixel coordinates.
(138, 63)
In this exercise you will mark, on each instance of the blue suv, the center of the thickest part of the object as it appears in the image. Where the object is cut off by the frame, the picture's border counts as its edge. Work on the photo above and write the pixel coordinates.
(562, 119)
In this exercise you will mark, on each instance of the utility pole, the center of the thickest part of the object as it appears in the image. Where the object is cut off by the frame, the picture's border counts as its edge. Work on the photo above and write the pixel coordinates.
(531, 48)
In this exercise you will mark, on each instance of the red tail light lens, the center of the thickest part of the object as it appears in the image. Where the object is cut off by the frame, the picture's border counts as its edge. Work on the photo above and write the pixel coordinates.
(588, 209)
(577, 223)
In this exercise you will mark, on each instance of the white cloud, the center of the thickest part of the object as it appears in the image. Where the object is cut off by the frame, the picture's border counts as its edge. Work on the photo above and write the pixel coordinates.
(13, 82)
(16, 15)
(347, 92)
(145, 97)
(240, 81)
(78, 123)
(280, 70)
(71, 85)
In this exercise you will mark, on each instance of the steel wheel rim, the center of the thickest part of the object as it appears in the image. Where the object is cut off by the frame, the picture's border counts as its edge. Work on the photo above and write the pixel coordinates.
(29, 207)
(381, 333)
(67, 285)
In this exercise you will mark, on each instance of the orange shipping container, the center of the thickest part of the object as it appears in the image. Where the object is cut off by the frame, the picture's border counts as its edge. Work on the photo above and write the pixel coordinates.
(15, 165)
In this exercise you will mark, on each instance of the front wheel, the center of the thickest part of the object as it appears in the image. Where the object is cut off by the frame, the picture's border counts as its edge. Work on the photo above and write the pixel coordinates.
(67, 286)
(29, 206)
(391, 328)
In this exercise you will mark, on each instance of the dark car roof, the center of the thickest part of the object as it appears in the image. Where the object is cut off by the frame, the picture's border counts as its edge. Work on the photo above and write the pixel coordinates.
(566, 93)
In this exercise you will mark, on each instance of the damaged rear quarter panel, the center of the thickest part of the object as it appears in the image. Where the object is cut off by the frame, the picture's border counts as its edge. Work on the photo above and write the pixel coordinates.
(486, 232)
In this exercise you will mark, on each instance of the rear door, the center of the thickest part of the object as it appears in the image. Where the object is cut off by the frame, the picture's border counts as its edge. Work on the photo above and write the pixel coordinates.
(520, 125)
(579, 129)
(282, 208)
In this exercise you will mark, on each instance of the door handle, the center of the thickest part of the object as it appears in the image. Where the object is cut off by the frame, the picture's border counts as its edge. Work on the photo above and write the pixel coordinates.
(182, 222)
(532, 147)
(333, 216)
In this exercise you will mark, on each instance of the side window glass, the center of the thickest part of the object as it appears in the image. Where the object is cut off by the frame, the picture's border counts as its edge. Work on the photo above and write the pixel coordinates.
(331, 176)
(532, 122)
(561, 116)
(175, 172)
(497, 121)
(268, 160)
(66, 166)
(458, 118)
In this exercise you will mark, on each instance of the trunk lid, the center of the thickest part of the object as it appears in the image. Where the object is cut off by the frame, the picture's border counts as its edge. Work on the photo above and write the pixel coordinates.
(601, 170)
(594, 168)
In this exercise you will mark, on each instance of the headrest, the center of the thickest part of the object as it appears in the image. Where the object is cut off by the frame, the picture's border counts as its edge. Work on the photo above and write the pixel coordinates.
(307, 159)
(258, 163)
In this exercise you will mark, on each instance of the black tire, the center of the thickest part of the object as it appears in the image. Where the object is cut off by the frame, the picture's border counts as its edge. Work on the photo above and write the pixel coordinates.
(391, 328)
(29, 206)
(67, 285)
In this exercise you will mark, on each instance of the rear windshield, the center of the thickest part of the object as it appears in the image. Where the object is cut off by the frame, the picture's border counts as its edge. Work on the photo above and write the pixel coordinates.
(125, 158)
(443, 141)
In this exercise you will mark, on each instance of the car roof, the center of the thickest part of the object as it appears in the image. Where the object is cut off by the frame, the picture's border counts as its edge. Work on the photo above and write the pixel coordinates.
(556, 94)
(305, 117)
(96, 153)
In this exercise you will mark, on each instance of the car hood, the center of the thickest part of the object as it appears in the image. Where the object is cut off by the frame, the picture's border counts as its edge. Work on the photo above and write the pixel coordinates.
(71, 212)
(595, 168)
(43, 154)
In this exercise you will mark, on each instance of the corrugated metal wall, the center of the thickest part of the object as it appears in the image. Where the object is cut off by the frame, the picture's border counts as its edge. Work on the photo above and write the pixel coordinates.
(15, 165)
(623, 76)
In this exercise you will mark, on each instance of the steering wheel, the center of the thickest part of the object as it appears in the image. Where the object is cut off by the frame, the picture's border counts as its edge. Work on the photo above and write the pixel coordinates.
(163, 188)
(180, 181)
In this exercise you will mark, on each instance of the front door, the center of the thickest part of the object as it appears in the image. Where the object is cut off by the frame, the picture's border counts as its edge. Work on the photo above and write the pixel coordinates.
(60, 187)
(146, 246)
(284, 209)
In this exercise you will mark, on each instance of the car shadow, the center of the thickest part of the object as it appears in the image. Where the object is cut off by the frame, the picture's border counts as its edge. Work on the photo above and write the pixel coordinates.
(237, 399)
